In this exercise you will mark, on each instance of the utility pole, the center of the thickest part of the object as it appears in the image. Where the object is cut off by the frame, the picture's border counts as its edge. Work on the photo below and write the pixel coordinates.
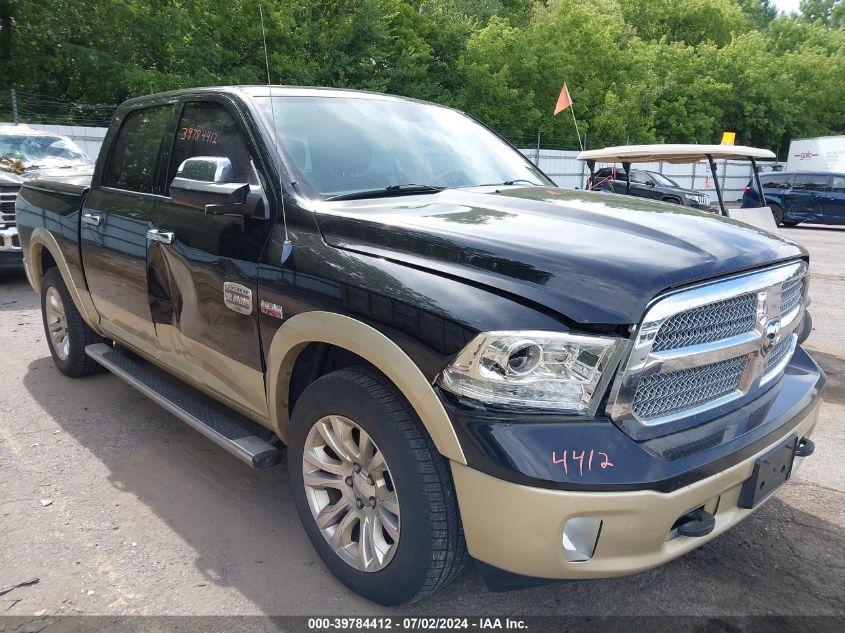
(14, 106)
(537, 155)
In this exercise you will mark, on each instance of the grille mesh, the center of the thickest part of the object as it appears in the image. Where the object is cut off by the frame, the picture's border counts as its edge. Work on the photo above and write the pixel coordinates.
(661, 394)
(791, 295)
(777, 354)
(712, 322)
(7, 204)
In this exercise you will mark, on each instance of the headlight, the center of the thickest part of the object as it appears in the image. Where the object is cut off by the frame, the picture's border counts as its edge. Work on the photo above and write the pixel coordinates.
(541, 370)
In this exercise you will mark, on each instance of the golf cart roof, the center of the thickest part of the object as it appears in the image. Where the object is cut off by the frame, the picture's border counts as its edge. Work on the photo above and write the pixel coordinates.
(675, 153)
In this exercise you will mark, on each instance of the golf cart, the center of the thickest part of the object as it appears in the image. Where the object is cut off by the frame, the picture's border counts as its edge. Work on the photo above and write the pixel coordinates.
(679, 153)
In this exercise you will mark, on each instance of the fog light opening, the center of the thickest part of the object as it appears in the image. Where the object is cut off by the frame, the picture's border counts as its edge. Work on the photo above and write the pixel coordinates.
(580, 537)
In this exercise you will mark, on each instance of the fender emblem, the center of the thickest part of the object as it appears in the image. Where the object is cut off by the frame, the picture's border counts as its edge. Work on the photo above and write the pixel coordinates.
(272, 309)
(237, 297)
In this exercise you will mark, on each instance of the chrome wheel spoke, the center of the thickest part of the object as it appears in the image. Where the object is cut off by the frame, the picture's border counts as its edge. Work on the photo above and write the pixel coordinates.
(318, 479)
(341, 537)
(390, 504)
(332, 514)
(389, 521)
(319, 459)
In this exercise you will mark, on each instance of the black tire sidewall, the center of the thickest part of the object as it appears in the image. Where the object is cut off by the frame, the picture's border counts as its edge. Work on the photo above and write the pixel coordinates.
(777, 213)
(405, 575)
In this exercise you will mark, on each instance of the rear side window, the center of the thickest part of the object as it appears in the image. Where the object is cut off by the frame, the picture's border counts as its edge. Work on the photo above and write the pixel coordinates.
(207, 129)
(136, 151)
(810, 182)
(837, 185)
(775, 181)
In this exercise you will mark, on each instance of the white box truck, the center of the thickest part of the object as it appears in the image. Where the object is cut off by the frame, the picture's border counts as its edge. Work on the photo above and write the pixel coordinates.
(824, 153)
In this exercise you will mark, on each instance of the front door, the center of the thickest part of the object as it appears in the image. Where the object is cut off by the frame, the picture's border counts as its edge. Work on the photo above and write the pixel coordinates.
(833, 201)
(203, 269)
(804, 200)
(115, 219)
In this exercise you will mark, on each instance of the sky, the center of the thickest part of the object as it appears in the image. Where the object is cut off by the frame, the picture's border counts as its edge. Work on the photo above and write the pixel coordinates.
(786, 5)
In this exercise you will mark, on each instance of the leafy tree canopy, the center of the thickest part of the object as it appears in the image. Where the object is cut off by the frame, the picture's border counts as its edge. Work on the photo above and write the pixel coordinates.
(638, 70)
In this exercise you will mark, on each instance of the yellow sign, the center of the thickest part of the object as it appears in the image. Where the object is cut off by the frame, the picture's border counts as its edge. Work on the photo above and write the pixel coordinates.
(728, 138)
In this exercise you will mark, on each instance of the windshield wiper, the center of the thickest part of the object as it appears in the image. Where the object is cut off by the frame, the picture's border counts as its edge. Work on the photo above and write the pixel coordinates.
(516, 181)
(393, 190)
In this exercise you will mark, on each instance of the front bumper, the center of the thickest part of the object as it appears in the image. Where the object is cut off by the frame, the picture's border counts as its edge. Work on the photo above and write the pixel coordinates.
(517, 526)
(519, 529)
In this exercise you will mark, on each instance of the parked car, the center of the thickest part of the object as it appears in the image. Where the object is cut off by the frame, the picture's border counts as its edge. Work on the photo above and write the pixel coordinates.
(803, 196)
(649, 184)
(462, 359)
(26, 153)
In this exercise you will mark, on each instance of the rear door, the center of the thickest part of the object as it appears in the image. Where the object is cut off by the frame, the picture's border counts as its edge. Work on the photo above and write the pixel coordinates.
(804, 200)
(833, 201)
(203, 278)
(115, 219)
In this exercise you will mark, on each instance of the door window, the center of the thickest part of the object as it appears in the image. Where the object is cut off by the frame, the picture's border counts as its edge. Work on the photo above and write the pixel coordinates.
(837, 184)
(207, 129)
(136, 150)
(775, 181)
(810, 182)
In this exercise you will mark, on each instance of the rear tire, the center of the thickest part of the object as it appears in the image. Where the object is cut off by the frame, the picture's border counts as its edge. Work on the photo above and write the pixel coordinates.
(356, 451)
(777, 212)
(67, 333)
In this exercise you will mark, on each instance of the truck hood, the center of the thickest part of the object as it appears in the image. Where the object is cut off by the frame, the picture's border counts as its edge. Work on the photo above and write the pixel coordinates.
(591, 257)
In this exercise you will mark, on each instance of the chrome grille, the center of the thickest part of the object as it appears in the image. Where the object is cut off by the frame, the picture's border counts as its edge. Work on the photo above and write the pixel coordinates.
(8, 195)
(708, 323)
(662, 394)
(778, 354)
(705, 346)
(790, 295)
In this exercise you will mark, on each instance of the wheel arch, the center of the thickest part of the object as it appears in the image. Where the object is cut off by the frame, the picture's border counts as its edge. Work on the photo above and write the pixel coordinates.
(44, 247)
(352, 335)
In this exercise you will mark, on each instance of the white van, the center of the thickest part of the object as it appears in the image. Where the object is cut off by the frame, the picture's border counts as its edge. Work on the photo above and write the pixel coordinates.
(824, 153)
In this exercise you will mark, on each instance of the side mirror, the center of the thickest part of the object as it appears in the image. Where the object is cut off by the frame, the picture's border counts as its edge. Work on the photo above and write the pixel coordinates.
(649, 183)
(205, 182)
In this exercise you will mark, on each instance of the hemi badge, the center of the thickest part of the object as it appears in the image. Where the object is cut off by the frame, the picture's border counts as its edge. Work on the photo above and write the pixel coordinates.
(272, 309)
(237, 297)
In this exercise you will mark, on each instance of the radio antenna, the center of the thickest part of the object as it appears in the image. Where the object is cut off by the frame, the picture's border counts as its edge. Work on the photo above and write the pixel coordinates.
(287, 247)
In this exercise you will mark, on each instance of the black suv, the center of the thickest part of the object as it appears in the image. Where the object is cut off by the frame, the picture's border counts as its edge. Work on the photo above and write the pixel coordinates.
(649, 184)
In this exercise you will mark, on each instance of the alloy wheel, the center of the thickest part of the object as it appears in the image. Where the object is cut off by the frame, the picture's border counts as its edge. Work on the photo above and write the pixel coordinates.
(351, 493)
(57, 323)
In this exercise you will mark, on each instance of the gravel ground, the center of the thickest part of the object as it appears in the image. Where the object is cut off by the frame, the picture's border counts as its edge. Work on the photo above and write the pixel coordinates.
(119, 508)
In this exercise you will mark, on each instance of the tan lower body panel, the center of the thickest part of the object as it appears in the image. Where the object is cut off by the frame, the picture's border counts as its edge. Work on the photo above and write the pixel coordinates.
(520, 529)
(217, 375)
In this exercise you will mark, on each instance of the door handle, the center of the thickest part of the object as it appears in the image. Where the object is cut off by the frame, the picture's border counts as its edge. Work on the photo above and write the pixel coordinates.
(94, 219)
(157, 235)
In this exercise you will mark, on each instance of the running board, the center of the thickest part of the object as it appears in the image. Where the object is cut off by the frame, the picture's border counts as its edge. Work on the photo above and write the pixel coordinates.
(213, 419)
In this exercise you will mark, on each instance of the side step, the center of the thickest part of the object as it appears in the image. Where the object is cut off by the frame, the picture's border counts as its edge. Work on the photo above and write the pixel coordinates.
(213, 419)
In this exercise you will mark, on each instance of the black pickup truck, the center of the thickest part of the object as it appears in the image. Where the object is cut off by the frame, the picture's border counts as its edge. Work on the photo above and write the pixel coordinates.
(461, 359)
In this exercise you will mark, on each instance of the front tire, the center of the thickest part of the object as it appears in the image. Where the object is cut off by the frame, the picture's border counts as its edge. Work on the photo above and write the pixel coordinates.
(374, 495)
(66, 331)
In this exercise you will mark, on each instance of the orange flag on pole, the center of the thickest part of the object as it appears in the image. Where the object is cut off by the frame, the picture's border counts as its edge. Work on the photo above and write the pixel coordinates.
(564, 100)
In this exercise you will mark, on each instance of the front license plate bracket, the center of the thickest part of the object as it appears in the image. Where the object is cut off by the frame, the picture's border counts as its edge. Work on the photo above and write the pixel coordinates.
(770, 472)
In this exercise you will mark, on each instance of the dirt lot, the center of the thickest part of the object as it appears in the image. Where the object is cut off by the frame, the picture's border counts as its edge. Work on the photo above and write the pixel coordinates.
(119, 508)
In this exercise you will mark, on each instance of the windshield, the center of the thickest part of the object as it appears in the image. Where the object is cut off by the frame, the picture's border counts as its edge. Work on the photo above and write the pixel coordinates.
(662, 180)
(36, 151)
(340, 146)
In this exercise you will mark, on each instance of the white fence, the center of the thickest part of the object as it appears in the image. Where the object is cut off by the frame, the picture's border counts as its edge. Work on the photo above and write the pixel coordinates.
(90, 139)
(567, 171)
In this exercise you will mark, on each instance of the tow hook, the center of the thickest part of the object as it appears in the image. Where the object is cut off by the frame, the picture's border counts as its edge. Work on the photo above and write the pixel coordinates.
(696, 523)
(805, 447)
